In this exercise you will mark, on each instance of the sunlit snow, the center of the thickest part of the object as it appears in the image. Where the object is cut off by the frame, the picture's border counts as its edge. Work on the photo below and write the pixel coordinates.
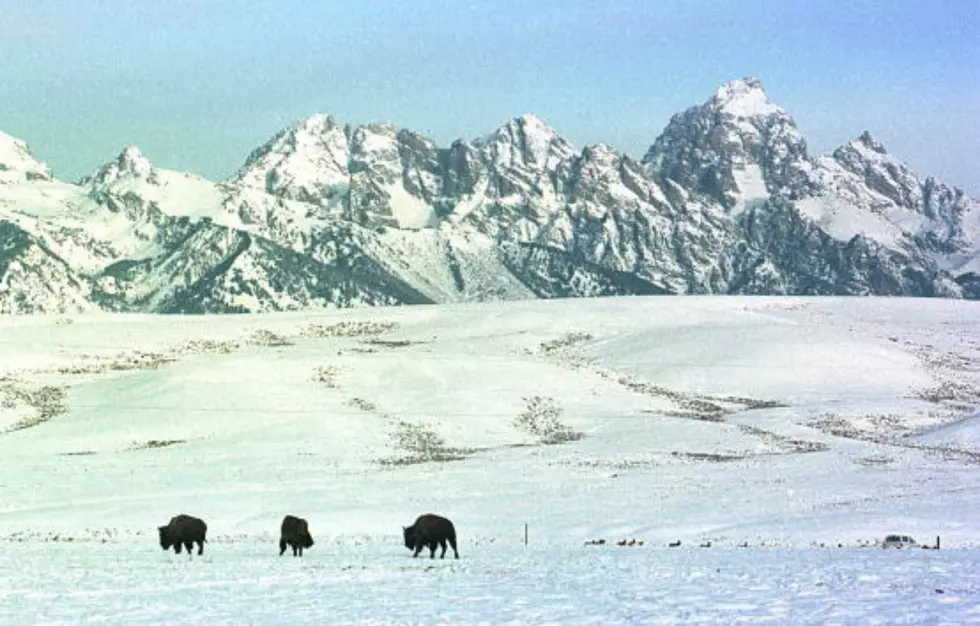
(786, 436)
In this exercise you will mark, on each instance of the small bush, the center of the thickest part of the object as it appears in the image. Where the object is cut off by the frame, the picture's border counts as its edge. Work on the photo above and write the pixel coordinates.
(268, 338)
(541, 418)
(419, 440)
(349, 329)
(362, 404)
(567, 340)
(140, 360)
(206, 346)
(421, 445)
(327, 375)
(47, 402)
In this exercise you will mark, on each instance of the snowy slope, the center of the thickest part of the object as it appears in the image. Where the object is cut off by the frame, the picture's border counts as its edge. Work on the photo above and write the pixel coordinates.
(652, 384)
(17, 163)
(962, 434)
(775, 423)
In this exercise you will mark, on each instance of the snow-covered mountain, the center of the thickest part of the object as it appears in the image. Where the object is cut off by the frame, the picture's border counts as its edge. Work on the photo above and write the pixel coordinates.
(727, 200)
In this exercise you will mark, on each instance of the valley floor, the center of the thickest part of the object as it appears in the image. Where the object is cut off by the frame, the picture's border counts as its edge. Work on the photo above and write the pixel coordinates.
(375, 583)
(780, 424)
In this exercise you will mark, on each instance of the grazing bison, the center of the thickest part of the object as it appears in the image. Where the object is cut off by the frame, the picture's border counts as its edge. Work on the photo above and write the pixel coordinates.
(184, 530)
(430, 530)
(295, 533)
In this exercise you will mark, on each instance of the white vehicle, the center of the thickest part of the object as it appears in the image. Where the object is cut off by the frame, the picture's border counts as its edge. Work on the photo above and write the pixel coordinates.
(898, 541)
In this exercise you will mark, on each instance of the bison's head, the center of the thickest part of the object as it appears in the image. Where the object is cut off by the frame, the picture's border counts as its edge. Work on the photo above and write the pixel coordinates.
(165, 540)
(409, 536)
(307, 540)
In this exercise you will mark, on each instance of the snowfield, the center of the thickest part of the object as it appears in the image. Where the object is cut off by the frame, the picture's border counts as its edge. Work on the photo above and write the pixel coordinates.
(242, 583)
(777, 439)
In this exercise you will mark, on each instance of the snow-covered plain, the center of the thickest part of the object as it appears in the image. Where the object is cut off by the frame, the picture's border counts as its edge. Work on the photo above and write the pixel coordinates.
(789, 433)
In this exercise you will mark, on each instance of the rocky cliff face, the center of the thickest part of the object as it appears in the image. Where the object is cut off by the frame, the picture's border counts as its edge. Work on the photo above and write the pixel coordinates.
(727, 200)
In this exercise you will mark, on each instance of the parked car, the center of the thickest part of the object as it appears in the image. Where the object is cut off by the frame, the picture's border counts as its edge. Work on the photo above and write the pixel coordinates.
(898, 541)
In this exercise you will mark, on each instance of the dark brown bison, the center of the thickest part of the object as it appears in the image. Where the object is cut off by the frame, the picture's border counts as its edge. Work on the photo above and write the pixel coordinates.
(184, 530)
(295, 533)
(430, 530)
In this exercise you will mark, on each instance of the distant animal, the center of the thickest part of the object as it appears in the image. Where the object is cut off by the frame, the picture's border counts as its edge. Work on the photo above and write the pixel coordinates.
(183, 530)
(674, 544)
(295, 533)
(430, 531)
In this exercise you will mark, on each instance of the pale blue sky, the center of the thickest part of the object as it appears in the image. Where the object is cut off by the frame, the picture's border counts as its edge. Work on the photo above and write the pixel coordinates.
(198, 84)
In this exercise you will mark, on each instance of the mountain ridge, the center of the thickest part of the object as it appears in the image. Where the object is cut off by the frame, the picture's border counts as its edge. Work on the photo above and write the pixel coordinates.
(727, 199)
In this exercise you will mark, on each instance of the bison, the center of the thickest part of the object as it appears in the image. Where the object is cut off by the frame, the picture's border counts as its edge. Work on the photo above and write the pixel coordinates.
(295, 533)
(184, 530)
(430, 530)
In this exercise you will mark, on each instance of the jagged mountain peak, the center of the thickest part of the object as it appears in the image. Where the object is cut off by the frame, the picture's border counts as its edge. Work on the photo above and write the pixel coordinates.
(865, 140)
(875, 169)
(306, 135)
(736, 147)
(740, 85)
(604, 155)
(316, 123)
(744, 97)
(533, 123)
(305, 161)
(375, 137)
(599, 151)
(17, 162)
(130, 155)
(529, 125)
(865, 151)
(381, 127)
(130, 164)
(526, 141)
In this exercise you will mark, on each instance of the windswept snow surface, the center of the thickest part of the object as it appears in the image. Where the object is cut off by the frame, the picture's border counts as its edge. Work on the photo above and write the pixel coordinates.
(778, 424)
(963, 434)
(247, 583)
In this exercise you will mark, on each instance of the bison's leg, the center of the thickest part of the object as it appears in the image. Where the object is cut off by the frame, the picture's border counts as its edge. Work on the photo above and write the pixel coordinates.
(442, 542)
(432, 548)
(177, 547)
(452, 542)
(282, 547)
(200, 547)
(190, 547)
(300, 549)
(418, 547)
